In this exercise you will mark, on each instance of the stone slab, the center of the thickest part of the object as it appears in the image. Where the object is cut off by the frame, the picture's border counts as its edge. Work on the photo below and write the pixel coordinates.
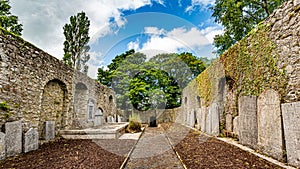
(291, 121)
(31, 140)
(236, 125)
(203, 112)
(2, 146)
(228, 122)
(13, 138)
(248, 121)
(269, 125)
(215, 119)
(49, 130)
(208, 122)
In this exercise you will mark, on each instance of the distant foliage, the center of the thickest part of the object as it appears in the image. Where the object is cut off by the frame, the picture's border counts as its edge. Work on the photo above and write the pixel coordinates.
(7, 20)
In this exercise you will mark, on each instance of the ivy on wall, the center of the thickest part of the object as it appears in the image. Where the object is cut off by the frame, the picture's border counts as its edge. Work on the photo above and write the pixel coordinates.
(251, 64)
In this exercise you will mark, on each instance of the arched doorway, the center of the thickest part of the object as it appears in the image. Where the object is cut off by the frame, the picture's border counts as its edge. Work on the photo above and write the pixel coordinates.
(53, 105)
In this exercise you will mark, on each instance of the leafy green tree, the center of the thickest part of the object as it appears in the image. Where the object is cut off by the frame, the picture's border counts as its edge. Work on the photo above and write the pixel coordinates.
(75, 46)
(238, 17)
(7, 20)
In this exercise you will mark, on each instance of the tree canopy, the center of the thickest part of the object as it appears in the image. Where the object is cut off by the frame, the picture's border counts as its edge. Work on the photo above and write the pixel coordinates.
(76, 39)
(150, 84)
(238, 17)
(7, 20)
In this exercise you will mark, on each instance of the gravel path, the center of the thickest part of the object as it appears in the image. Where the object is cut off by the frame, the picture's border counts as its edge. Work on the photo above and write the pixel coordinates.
(153, 151)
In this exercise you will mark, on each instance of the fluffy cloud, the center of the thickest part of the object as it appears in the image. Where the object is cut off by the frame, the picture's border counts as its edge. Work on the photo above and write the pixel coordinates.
(202, 3)
(43, 21)
(176, 40)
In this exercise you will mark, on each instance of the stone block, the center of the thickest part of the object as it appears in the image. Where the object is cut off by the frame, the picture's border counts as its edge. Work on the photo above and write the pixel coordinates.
(215, 119)
(203, 112)
(228, 122)
(31, 140)
(248, 121)
(236, 125)
(208, 121)
(269, 124)
(198, 118)
(49, 130)
(2, 146)
(13, 138)
(291, 121)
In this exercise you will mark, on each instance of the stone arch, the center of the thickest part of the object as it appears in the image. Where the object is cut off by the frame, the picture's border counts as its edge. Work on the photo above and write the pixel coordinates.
(230, 82)
(53, 104)
(110, 99)
(81, 100)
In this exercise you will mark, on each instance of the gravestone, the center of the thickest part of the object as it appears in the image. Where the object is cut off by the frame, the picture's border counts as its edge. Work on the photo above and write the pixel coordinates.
(13, 138)
(31, 140)
(248, 121)
(49, 130)
(291, 121)
(119, 119)
(2, 146)
(269, 124)
(208, 121)
(203, 112)
(215, 119)
(198, 116)
(228, 122)
(236, 125)
(191, 121)
(98, 118)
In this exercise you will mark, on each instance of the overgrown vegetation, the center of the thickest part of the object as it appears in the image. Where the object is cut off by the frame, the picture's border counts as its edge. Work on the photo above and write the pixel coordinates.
(134, 125)
(4, 106)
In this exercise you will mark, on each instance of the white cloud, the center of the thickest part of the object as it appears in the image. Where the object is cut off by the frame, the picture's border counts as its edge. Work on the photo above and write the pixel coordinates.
(162, 41)
(202, 3)
(43, 21)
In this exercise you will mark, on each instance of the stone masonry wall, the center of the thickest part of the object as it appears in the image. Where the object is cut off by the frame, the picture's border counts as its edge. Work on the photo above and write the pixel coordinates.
(38, 88)
(267, 59)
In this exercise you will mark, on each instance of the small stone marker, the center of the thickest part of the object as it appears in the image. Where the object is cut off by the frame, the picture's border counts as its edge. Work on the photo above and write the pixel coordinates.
(248, 121)
(228, 120)
(2, 146)
(31, 140)
(236, 125)
(203, 112)
(269, 124)
(49, 130)
(13, 138)
(291, 121)
(208, 121)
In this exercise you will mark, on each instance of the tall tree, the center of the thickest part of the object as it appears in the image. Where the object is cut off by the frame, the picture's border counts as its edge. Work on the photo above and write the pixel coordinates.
(75, 46)
(7, 20)
(238, 17)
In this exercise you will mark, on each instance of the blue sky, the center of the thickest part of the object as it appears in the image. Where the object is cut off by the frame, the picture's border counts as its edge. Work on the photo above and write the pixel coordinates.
(148, 26)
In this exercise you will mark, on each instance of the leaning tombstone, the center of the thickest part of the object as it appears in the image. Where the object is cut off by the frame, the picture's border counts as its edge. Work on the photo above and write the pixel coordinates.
(13, 138)
(31, 138)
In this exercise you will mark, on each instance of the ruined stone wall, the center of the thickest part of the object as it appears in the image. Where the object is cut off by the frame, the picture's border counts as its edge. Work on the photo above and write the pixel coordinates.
(37, 87)
(246, 88)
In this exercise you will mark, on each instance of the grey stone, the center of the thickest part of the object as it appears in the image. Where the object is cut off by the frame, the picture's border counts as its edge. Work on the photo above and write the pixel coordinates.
(198, 117)
(236, 125)
(49, 130)
(13, 138)
(203, 112)
(2, 146)
(31, 140)
(228, 124)
(215, 119)
(269, 124)
(208, 122)
(248, 120)
(291, 121)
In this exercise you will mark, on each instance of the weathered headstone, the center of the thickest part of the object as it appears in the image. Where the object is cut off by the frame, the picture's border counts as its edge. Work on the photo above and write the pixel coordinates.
(203, 112)
(98, 118)
(49, 130)
(291, 121)
(31, 140)
(228, 122)
(13, 138)
(269, 124)
(191, 121)
(248, 121)
(2, 146)
(198, 116)
(215, 119)
(236, 125)
(119, 119)
(208, 121)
